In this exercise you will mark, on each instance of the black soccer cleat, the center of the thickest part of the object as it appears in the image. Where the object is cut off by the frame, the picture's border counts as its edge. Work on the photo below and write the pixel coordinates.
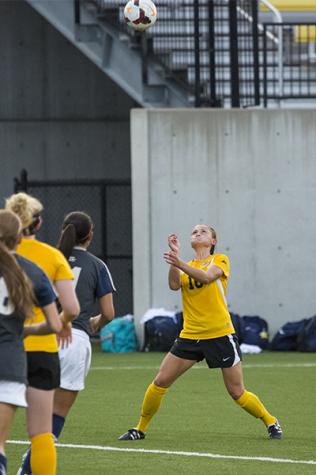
(132, 434)
(275, 431)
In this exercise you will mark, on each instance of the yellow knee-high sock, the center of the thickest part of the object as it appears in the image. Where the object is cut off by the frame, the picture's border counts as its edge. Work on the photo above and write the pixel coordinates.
(43, 455)
(151, 404)
(252, 404)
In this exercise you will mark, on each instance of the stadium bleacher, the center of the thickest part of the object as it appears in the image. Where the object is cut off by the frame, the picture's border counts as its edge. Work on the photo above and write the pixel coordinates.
(292, 5)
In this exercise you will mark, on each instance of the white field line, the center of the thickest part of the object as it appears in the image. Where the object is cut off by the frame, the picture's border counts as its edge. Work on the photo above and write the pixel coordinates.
(245, 366)
(173, 452)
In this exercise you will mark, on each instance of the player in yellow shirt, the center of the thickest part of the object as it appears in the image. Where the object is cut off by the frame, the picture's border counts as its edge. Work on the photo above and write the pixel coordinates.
(207, 331)
(42, 351)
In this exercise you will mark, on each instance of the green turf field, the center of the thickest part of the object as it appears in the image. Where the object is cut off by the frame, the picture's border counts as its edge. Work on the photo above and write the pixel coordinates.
(196, 417)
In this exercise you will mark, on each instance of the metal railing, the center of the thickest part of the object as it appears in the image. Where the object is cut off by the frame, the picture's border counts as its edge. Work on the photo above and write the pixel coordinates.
(208, 47)
(298, 73)
(278, 40)
(218, 52)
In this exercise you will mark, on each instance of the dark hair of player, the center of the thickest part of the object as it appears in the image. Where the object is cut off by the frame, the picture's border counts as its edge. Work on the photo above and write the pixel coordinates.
(76, 230)
(214, 236)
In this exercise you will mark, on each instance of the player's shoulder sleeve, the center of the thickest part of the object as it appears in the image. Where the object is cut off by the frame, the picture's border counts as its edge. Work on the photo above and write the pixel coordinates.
(63, 269)
(222, 261)
(42, 286)
(105, 284)
(45, 293)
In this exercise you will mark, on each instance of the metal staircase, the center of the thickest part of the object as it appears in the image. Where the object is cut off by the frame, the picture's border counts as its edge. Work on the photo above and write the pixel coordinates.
(115, 53)
(214, 53)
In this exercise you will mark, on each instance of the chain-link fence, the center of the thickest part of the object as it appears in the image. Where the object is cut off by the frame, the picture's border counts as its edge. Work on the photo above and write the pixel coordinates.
(108, 202)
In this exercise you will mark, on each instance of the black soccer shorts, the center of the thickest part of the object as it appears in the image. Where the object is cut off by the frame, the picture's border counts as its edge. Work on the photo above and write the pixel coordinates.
(43, 370)
(222, 352)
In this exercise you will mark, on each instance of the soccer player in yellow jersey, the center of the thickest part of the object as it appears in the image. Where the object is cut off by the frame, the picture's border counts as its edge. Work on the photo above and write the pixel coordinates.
(42, 351)
(207, 331)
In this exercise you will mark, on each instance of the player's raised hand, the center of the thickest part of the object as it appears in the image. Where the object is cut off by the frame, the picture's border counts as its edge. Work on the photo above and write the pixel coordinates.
(172, 258)
(173, 243)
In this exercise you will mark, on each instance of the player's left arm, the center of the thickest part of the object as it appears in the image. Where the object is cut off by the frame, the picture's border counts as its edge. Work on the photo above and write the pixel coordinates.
(106, 315)
(212, 273)
(104, 293)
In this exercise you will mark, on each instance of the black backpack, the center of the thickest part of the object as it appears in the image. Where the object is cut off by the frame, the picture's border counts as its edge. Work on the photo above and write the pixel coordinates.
(306, 340)
(255, 331)
(238, 325)
(286, 339)
(161, 331)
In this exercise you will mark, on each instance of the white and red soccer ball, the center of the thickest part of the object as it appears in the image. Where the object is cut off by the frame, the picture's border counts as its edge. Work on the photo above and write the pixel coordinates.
(140, 14)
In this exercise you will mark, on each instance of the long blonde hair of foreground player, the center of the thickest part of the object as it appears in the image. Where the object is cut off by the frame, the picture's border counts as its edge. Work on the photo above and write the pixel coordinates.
(42, 352)
(21, 282)
(207, 332)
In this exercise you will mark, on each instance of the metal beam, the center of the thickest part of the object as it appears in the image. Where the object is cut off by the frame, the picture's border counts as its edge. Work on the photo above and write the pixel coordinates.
(103, 45)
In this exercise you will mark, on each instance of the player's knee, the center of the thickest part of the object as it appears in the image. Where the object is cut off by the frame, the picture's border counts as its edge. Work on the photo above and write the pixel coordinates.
(162, 381)
(235, 391)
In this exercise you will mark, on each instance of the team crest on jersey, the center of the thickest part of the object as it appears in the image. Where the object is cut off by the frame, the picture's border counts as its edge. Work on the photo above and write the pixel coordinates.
(206, 263)
(72, 259)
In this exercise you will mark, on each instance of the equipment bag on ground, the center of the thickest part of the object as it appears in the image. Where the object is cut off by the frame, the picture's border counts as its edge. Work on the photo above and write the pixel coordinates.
(306, 340)
(238, 325)
(286, 339)
(161, 331)
(119, 335)
(255, 331)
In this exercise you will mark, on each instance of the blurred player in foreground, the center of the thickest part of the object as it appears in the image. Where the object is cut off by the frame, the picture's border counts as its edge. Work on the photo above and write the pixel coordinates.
(42, 351)
(22, 283)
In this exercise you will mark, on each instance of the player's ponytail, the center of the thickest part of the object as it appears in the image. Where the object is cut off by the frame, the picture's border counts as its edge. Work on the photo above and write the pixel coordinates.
(67, 240)
(19, 287)
(214, 236)
(76, 230)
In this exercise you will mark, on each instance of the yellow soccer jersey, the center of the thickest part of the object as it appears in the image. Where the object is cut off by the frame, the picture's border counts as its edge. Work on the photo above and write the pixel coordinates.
(53, 262)
(205, 313)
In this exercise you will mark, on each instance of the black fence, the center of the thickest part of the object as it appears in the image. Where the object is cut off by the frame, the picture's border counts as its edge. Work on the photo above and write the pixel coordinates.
(218, 51)
(233, 51)
(208, 47)
(108, 202)
(289, 61)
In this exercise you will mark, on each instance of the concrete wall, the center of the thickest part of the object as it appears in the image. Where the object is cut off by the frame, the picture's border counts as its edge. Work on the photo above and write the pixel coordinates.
(250, 174)
(62, 118)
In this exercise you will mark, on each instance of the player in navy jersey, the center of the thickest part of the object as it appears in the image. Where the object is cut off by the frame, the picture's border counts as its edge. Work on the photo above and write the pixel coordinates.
(22, 284)
(94, 285)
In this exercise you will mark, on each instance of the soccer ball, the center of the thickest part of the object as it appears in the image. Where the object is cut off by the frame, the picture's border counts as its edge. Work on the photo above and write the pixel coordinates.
(140, 14)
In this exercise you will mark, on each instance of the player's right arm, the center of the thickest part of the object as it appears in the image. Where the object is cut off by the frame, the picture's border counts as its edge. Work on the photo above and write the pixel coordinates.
(174, 277)
(46, 299)
(51, 325)
(68, 300)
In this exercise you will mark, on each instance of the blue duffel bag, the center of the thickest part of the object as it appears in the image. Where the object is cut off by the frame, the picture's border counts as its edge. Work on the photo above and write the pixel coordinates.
(161, 331)
(306, 340)
(119, 335)
(286, 339)
(255, 331)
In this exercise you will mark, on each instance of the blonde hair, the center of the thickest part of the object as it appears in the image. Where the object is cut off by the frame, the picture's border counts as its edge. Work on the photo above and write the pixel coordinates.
(18, 284)
(25, 206)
